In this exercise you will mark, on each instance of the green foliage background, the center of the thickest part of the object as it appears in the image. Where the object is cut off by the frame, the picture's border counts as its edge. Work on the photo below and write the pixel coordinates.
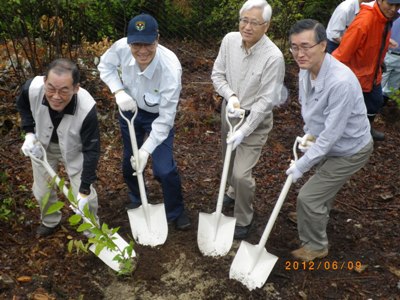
(60, 26)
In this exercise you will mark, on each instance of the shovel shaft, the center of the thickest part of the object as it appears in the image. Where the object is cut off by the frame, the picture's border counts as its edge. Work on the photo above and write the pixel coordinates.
(275, 211)
(227, 160)
(280, 200)
(224, 178)
(57, 179)
(135, 149)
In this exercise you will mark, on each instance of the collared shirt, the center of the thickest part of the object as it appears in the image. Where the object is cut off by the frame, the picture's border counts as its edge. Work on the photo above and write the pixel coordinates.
(255, 76)
(155, 90)
(333, 111)
(341, 18)
(395, 35)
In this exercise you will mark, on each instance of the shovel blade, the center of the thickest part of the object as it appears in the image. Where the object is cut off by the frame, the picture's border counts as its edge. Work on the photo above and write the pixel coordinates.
(215, 234)
(149, 224)
(107, 255)
(252, 265)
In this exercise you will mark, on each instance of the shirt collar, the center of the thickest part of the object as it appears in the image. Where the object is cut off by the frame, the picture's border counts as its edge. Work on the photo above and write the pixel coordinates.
(256, 46)
(151, 68)
(321, 78)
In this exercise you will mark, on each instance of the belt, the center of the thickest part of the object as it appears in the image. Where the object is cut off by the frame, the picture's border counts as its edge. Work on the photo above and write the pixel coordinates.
(246, 112)
(394, 53)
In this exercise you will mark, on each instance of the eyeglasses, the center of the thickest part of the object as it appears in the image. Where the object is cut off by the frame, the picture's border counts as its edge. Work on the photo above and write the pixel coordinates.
(138, 46)
(245, 22)
(305, 48)
(64, 92)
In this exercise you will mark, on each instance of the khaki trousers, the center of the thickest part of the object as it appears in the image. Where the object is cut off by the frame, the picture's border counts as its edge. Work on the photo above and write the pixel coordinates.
(316, 197)
(240, 180)
(41, 187)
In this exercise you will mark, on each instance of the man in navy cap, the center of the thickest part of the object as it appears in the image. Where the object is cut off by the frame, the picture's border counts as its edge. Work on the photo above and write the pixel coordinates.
(150, 82)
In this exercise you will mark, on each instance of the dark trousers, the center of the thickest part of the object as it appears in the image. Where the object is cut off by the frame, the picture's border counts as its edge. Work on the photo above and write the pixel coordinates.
(373, 100)
(331, 46)
(164, 167)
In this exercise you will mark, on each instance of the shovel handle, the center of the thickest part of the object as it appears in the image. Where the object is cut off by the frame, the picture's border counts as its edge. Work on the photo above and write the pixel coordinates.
(232, 129)
(228, 154)
(280, 201)
(48, 168)
(44, 162)
(135, 150)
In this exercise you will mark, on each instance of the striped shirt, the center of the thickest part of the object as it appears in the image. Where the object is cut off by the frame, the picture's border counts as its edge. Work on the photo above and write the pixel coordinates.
(255, 76)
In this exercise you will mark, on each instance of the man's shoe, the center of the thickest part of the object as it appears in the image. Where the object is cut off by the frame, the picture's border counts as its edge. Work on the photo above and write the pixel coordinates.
(132, 205)
(182, 222)
(241, 232)
(306, 254)
(377, 135)
(228, 201)
(292, 216)
(43, 231)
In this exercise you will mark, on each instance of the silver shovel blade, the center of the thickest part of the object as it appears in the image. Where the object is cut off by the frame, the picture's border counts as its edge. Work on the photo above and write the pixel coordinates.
(107, 255)
(215, 238)
(252, 265)
(149, 224)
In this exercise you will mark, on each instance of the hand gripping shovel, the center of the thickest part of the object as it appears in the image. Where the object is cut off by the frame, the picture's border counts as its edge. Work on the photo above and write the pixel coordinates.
(253, 264)
(106, 255)
(215, 232)
(148, 222)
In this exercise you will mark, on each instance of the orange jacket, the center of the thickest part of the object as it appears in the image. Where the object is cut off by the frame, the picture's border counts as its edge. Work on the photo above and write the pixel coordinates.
(360, 48)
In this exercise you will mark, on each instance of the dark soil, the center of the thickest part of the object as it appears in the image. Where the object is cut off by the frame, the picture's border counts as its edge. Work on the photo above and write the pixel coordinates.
(364, 229)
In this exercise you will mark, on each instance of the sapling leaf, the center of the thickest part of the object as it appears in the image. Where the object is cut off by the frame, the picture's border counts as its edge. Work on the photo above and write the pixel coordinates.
(83, 227)
(98, 248)
(75, 219)
(55, 207)
(70, 245)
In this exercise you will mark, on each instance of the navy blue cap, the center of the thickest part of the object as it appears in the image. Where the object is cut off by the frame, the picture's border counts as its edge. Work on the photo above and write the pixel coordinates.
(142, 29)
(393, 1)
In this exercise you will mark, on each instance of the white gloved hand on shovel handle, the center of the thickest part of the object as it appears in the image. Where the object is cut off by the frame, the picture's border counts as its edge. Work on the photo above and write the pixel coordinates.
(294, 171)
(236, 139)
(143, 157)
(306, 142)
(233, 107)
(31, 145)
(125, 102)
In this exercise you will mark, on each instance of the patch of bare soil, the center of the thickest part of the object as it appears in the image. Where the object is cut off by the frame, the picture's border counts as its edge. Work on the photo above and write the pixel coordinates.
(364, 230)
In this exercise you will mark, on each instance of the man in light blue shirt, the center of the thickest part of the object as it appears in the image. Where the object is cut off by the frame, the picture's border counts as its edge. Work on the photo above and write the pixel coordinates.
(150, 81)
(391, 76)
(332, 106)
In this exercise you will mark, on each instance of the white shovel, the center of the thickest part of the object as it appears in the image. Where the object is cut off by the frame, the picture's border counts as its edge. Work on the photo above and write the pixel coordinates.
(253, 264)
(215, 232)
(148, 222)
(106, 255)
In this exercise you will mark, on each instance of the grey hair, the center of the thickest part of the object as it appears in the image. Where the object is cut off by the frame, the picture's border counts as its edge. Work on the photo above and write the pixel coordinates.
(62, 66)
(261, 4)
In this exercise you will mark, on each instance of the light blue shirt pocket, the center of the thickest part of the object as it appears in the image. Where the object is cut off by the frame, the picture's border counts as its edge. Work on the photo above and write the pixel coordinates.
(151, 100)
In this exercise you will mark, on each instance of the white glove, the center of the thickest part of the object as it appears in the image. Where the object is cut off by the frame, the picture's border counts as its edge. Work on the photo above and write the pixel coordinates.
(306, 142)
(296, 173)
(82, 202)
(143, 157)
(31, 145)
(125, 102)
(233, 107)
(236, 139)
